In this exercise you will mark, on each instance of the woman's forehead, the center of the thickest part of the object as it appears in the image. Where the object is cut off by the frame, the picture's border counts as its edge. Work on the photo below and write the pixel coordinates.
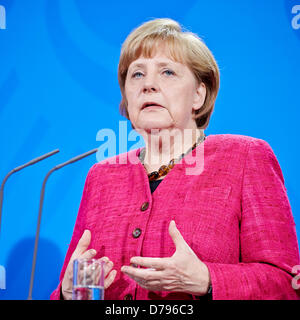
(160, 58)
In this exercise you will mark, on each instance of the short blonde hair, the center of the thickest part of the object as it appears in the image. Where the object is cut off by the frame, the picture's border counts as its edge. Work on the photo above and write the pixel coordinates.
(184, 47)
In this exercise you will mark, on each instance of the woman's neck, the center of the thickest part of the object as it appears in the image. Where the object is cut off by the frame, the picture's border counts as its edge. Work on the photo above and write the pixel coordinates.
(165, 145)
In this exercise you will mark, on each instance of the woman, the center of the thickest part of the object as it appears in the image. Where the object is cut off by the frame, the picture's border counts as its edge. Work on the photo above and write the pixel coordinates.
(189, 216)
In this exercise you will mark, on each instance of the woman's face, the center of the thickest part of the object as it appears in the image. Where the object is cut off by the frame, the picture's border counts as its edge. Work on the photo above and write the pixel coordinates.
(162, 93)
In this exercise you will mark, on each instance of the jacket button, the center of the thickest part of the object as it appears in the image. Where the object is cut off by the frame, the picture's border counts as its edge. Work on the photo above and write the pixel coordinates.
(136, 232)
(145, 206)
(128, 297)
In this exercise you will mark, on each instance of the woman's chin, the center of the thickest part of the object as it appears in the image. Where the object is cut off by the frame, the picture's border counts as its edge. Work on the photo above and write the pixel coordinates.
(155, 125)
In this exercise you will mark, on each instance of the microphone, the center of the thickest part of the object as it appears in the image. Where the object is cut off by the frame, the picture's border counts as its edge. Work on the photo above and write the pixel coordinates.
(40, 212)
(49, 154)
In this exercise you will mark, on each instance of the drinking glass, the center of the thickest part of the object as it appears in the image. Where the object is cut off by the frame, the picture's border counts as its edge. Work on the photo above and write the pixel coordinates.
(88, 279)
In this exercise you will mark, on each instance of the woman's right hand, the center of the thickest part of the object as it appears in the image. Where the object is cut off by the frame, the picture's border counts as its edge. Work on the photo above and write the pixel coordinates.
(81, 252)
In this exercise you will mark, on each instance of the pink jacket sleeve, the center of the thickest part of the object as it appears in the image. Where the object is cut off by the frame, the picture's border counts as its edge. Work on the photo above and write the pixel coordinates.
(79, 228)
(268, 242)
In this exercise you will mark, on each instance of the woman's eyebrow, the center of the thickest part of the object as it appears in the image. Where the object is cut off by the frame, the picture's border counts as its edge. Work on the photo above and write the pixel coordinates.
(137, 65)
(159, 64)
(163, 64)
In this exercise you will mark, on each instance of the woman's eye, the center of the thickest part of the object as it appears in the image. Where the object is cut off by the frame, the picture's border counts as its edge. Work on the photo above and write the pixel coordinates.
(137, 74)
(169, 72)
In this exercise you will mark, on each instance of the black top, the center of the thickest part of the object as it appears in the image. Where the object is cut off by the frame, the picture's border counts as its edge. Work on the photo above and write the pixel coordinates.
(154, 184)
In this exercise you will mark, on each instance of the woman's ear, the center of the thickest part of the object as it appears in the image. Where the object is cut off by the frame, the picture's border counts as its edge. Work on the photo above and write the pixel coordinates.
(200, 96)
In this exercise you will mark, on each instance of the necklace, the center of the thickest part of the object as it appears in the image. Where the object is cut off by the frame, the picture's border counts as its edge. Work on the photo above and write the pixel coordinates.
(164, 169)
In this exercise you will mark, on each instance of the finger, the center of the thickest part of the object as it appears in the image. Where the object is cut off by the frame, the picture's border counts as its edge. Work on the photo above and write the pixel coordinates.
(146, 278)
(141, 274)
(83, 243)
(176, 235)
(84, 265)
(89, 254)
(105, 259)
(108, 267)
(154, 263)
(109, 280)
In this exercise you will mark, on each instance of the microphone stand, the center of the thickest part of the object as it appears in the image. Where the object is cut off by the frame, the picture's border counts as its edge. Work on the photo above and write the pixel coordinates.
(40, 213)
(49, 154)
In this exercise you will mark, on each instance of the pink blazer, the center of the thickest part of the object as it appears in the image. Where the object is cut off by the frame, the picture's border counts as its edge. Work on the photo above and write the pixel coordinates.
(235, 215)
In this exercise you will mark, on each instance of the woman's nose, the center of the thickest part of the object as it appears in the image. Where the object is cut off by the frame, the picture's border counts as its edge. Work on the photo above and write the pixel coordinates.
(150, 85)
(149, 89)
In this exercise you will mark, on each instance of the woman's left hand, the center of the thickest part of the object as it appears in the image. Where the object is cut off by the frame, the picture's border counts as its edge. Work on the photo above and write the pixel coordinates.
(182, 272)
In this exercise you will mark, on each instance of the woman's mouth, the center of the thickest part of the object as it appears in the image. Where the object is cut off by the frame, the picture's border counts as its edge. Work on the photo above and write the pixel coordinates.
(148, 105)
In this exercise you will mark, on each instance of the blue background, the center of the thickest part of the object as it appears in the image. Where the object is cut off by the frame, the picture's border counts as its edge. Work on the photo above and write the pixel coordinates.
(58, 88)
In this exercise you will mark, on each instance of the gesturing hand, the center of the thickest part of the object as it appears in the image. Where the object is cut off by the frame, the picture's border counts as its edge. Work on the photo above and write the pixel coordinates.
(81, 252)
(182, 272)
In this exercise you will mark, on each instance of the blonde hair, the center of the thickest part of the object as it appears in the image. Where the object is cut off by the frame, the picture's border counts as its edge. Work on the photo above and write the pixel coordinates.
(184, 47)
